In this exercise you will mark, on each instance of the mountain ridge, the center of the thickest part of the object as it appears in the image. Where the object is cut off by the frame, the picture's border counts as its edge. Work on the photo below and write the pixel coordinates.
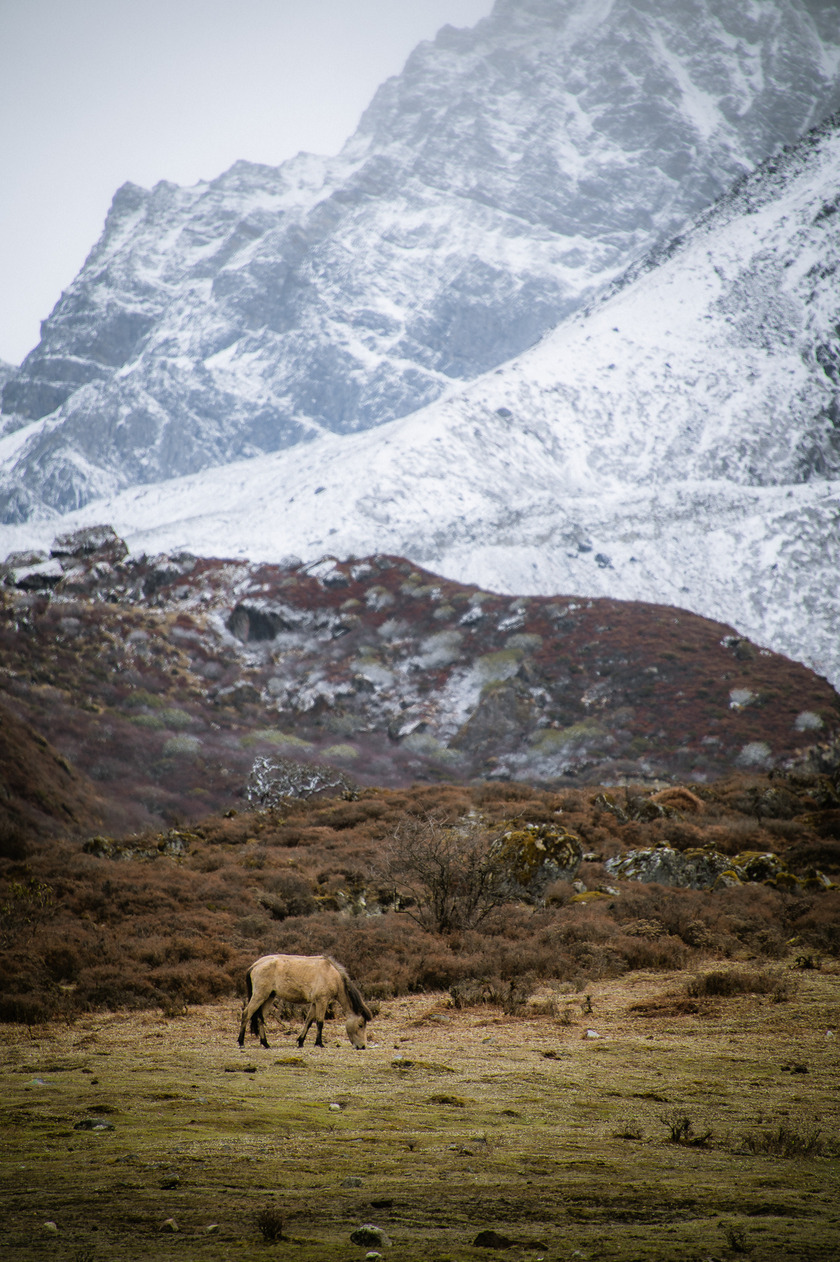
(501, 178)
(618, 457)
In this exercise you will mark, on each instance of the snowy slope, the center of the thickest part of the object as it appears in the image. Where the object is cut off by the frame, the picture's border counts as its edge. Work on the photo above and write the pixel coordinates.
(677, 443)
(490, 188)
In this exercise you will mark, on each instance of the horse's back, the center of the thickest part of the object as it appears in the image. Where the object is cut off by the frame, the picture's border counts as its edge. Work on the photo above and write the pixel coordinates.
(297, 978)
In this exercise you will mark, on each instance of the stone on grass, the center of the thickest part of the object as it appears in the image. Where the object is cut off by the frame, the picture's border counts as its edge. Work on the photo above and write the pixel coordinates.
(370, 1235)
(490, 1239)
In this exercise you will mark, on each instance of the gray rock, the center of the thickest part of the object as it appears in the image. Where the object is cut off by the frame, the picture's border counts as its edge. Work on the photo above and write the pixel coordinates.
(94, 1124)
(371, 1235)
(85, 542)
(700, 869)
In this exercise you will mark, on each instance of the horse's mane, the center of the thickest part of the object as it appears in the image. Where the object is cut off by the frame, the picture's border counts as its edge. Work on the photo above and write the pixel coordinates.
(357, 1003)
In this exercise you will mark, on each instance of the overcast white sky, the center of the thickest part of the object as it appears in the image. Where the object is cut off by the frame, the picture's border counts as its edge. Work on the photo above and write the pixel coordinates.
(96, 92)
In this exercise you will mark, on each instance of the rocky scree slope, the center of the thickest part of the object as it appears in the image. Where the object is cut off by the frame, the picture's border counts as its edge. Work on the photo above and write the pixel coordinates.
(163, 679)
(502, 177)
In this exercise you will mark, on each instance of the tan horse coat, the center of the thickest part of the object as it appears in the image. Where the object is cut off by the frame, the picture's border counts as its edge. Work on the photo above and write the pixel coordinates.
(316, 980)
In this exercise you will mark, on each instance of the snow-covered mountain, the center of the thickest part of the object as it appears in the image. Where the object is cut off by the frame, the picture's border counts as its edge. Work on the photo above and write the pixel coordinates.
(677, 442)
(490, 189)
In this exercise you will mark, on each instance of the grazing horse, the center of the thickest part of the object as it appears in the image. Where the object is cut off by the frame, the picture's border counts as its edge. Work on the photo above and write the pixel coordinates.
(316, 980)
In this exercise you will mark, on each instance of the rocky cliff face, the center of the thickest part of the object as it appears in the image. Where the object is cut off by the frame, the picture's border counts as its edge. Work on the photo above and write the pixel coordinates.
(504, 176)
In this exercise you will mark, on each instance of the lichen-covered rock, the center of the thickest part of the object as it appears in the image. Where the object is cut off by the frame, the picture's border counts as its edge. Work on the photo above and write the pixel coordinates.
(535, 855)
(703, 869)
(371, 1235)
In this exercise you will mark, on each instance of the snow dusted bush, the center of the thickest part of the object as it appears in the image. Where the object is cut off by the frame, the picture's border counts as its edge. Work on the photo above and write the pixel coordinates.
(757, 754)
(273, 779)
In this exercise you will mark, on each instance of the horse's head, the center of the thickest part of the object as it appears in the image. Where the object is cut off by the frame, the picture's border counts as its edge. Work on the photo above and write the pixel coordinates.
(356, 1031)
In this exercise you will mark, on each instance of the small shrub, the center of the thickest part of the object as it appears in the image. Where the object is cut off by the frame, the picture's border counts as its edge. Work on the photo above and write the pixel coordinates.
(270, 1225)
(681, 1130)
(288, 895)
(724, 983)
(736, 1238)
(786, 1141)
(678, 1124)
(629, 1131)
(25, 1009)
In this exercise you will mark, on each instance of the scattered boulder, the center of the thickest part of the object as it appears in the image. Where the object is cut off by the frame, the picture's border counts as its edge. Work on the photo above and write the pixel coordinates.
(536, 855)
(94, 1124)
(699, 869)
(489, 1239)
(87, 541)
(36, 578)
(371, 1235)
(30, 556)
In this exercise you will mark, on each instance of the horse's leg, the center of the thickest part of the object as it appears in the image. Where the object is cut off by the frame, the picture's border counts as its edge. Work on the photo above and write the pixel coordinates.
(247, 1013)
(320, 1007)
(253, 1012)
(261, 1025)
(310, 1017)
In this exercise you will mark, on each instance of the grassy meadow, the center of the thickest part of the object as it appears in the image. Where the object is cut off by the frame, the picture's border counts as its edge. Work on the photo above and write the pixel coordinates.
(660, 1115)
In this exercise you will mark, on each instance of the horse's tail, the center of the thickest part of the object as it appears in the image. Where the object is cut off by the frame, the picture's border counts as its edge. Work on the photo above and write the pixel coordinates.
(352, 993)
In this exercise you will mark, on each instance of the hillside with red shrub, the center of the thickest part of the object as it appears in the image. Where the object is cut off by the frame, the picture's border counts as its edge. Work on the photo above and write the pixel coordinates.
(42, 794)
(174, 918)
(162, 680)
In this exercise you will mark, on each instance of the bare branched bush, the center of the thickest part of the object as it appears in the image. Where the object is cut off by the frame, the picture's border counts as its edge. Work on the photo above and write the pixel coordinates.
(444, 872)
(681, 1130)
(736, 1237)
(273, 781)
(270, 1225)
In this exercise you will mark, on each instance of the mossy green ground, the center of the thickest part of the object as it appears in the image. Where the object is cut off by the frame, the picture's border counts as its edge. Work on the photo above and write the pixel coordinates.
(453, 1122)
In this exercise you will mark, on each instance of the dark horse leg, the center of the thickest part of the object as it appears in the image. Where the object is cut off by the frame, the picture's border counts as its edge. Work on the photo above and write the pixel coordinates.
(257, 1020)
(310, 1017)
(261, 1027)
(316, 1013)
